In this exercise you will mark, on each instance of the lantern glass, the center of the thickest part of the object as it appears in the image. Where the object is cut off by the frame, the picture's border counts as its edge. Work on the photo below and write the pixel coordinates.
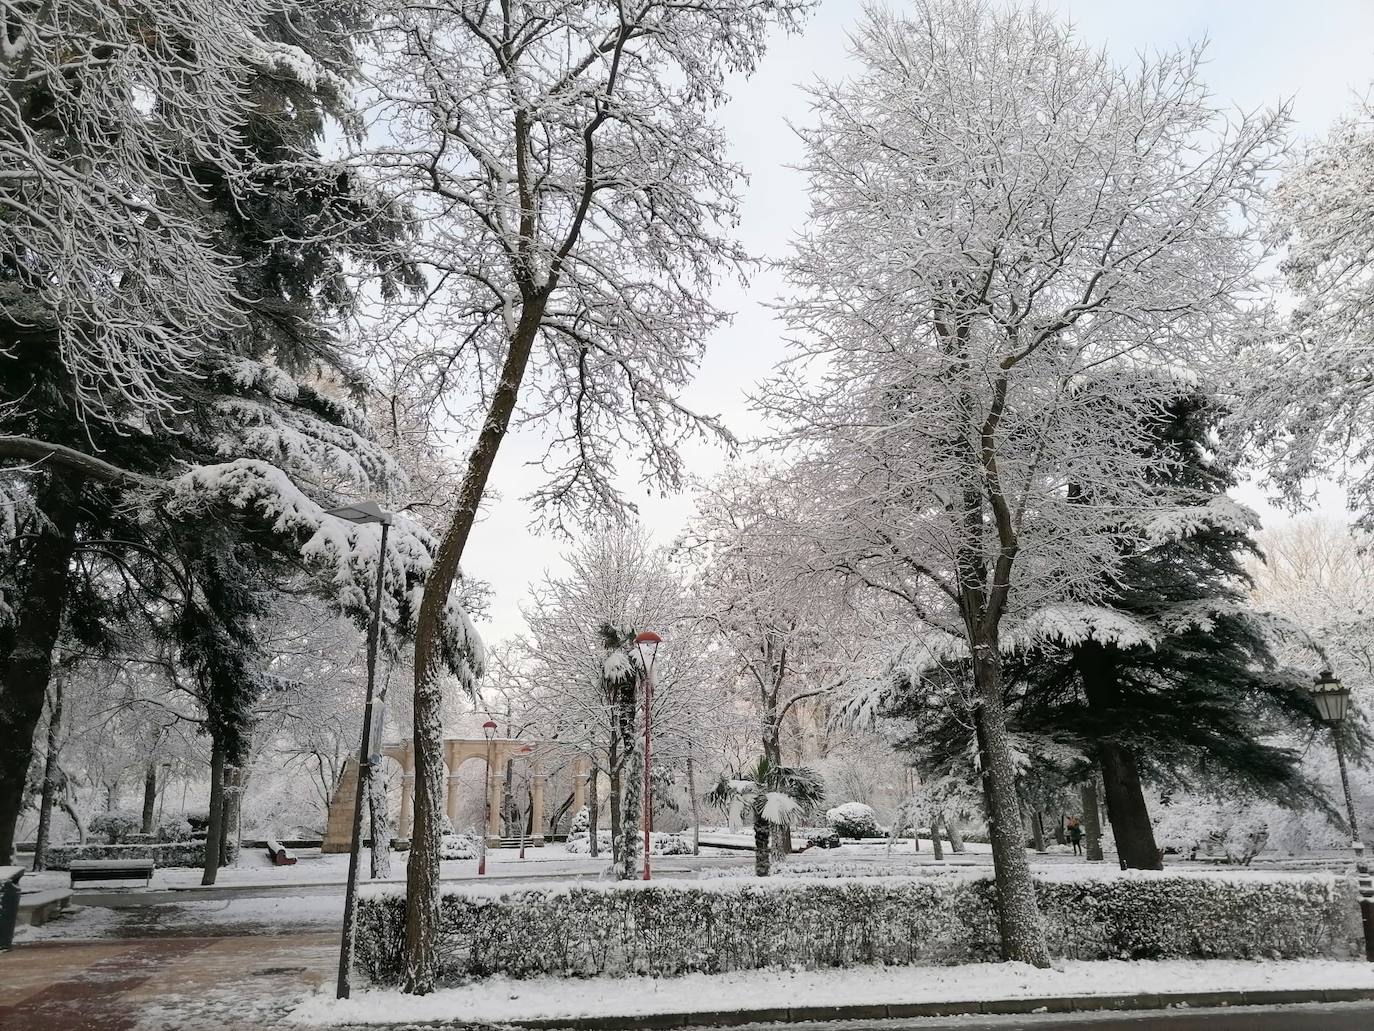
(1331, 697)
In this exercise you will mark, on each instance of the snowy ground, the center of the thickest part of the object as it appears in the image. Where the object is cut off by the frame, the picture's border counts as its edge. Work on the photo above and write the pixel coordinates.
(498, 999)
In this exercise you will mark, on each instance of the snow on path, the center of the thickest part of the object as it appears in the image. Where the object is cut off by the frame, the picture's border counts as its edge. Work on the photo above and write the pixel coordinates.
(497, 998)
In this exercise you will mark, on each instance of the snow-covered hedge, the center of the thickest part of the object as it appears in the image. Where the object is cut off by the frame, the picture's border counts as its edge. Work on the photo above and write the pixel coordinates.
(166, 853)
(659, 844)
(853, 820)
(672, 927)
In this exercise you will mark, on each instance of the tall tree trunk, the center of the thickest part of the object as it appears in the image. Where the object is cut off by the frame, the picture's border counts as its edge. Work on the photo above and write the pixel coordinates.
(956, 835)
(149, 797)
(28, 667)
(593, 811)
(762, 848)
(1018, 915)
(233, 796)
(1130, 819)
(1092, 821)
(214, 830)
(1038, 831)
(422, 868)
(696, 805)
(935, 845)
(630, 784)
(1060, 835)
(614, 802)
(50, 774)
(379, 823)
(780, 835)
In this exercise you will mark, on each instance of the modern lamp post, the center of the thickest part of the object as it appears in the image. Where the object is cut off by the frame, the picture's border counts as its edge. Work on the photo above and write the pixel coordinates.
(362, 512)
(1333, 702)
(647, 645)
(488, 732)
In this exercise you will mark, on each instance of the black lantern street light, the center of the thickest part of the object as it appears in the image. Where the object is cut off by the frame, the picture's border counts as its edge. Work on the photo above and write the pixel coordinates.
(362, 512)
(1332, 699)
(488, 732)
(647, 645)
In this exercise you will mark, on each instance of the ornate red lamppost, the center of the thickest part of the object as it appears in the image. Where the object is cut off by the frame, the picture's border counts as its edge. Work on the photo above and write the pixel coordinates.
(647, 645)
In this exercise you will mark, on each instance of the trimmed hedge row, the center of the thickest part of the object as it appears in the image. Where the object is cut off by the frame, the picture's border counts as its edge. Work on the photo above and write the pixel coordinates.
(668, 927)
(164, 853)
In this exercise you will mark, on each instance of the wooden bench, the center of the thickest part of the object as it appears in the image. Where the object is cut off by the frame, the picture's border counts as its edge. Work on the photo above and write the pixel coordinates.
(36, 908)
(86, 870)
(281, 855)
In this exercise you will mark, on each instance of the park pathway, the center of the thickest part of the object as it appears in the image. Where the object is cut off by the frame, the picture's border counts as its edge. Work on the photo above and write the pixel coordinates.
(162, 984)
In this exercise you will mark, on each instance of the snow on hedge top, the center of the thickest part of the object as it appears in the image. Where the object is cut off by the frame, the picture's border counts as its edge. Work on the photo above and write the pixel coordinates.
(738, 882)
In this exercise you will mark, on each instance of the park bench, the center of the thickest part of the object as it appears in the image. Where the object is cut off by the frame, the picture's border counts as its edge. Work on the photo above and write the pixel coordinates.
(38, 907)
(281, 855)
(9, 903)
(86, 870)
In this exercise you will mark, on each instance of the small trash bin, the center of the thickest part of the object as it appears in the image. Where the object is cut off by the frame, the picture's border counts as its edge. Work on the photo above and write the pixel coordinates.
(9, 908)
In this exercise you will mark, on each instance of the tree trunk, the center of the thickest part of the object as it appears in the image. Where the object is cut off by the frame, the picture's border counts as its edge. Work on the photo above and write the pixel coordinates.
(1092, 821)
(422, 869)
(1130, 819)
(149, 797)
(780, 835)
(1018, 915)
(630, 784)
(379, 823)
(593, 807)
(762, 848)
(50, 774)
(935, 845)
(956, 836)
(28, 667)
(614, 803)
(233, 796)
(1060, 835)
(214, 831)
(1038, 831)
(696, 805)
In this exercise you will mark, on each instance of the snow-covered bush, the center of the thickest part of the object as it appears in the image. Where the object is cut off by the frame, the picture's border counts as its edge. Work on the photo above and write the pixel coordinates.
(821, 838)
(659, 844)
(458, 846)
(172, 828)
(853, 820)
(581, 822)
(117, 825)
(171, 853)
(672, 927)
(1234, 830)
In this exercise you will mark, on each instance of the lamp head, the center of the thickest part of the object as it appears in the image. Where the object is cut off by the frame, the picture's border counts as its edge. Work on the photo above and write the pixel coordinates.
(1331, 697)
(361, 512)
(489, 729)
(646, 644)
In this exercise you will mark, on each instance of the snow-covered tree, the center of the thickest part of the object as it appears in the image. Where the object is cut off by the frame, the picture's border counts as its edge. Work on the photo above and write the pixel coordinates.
(1007, 230)
(773, 795)
(1310, 393)
(574, 201)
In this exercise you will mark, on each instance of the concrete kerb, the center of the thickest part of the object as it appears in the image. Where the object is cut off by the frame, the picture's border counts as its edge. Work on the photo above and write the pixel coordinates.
(986, 1007)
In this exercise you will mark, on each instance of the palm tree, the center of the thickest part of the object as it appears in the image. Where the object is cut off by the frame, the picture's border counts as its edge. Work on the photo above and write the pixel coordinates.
(777, 796)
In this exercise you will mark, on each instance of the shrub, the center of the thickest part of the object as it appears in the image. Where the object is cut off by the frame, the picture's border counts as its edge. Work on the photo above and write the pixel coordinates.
(659, 844)
(458, 846)
(822, 839)
(117, 825)
(173, 828)
(853, 820)
(172, 853)
(673, 927)
(581, 822)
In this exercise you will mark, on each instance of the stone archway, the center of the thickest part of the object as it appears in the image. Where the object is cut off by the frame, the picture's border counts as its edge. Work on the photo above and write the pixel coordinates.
(457, 751)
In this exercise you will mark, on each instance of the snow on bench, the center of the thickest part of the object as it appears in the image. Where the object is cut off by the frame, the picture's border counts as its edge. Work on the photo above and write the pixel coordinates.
(281, 855)
(85, 870)
(38, 907)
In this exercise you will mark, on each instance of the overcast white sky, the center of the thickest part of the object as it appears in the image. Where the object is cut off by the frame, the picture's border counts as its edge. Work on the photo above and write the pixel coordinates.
(1318, 53)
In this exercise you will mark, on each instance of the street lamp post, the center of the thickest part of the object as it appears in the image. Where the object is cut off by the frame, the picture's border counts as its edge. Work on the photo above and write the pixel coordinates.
(1332, 699)
(647, 642)
(363, 512)
(488, 732)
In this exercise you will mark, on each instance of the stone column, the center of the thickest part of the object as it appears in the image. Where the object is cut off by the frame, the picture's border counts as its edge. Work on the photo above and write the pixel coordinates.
(407, 804)
(580, 768)
(537, 803)
(453, 795)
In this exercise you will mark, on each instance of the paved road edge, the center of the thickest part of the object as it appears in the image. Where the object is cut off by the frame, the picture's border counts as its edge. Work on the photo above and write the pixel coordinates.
(989, 1007)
